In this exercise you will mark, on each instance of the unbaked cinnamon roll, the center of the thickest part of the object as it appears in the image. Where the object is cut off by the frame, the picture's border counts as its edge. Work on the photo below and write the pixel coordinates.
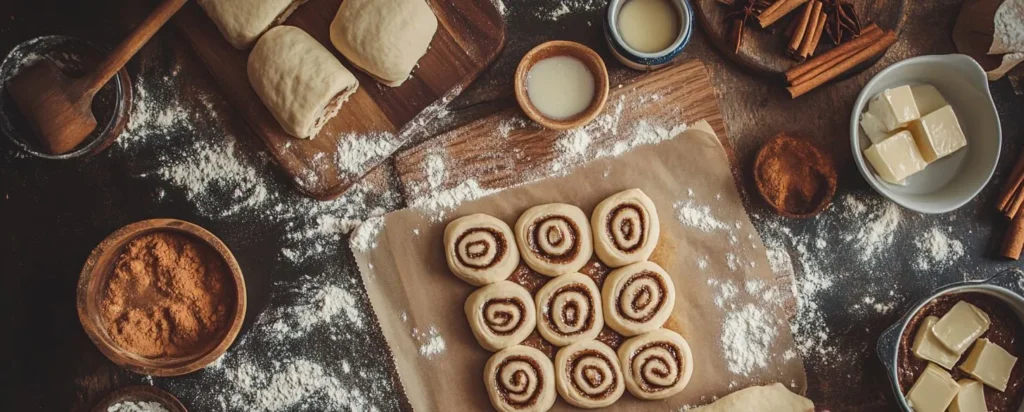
(501, 314)
(569, 309)
(587, 375)
(638, 298)
(555, 238)
(480, 249)
(626, 228)
(520, 379)
(656, 365)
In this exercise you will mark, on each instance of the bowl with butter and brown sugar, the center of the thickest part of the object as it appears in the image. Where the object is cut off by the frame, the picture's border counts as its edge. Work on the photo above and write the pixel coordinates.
(958, 349)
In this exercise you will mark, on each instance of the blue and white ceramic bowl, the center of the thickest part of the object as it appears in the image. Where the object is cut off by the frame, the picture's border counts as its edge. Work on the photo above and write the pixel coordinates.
(647, 61)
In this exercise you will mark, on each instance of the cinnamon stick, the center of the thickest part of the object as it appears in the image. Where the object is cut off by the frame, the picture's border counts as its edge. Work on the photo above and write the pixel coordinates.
(875, 49)
(1013, 188)
(828, 60)
(778, 10)
(801, 28)
(736, 35)
(817, 35)
(1011, 211)
(817, 21)
(1013, 243)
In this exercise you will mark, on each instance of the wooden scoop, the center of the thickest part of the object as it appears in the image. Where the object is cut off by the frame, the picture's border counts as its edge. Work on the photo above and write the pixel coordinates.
(59, 108)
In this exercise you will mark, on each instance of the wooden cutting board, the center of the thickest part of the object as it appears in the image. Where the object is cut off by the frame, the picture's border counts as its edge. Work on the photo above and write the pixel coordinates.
(470, 35)
(479, 151)
(764, 50)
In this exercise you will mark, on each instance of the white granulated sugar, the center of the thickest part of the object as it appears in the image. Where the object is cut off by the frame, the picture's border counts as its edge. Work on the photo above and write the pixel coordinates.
(364, 238)
(137, 407)
(436, 172)
(437, 205)
(431, 342)
(356, 152)
(698, 216)
(936, 250)
(748, 335)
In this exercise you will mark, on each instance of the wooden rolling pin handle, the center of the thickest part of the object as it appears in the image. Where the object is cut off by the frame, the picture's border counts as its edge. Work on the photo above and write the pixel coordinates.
(1013, 243)
(130, 45)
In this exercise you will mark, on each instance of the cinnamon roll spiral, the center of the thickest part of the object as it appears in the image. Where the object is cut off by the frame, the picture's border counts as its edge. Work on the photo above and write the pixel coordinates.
(501, 314)
(638, 298)
(656, 365)
(626, 228)
(520, 379)
(555, 239)
(587, 375)
(480, 249)
(569, 310)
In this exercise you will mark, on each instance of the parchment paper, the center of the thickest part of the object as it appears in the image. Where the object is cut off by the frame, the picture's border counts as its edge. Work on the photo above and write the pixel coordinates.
(412, 290)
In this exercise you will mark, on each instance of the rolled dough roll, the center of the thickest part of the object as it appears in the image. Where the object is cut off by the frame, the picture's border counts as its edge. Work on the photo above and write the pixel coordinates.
(656, 364)
(480, 249)
(587, 375)
(500, 315)
(520, 379)
(554, 239)
(569, 309)
(626, 228)
(768, 398)
(384, 38)
(243, 21)
(638, 298)
(299, 80)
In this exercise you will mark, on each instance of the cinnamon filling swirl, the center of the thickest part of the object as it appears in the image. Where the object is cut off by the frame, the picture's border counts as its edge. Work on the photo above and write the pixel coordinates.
(519, 380)
(480, 248)
(504, 317)
(592, 374)
(656, 366)
(570, 310)
(641, 297)
(626, 226)
(555, 239)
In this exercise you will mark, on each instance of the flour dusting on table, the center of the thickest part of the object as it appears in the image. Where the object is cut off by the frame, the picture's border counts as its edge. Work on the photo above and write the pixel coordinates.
(937, 250)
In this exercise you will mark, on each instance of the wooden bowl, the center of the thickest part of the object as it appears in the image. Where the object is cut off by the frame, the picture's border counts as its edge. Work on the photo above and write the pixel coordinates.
(141, 393)
(802, 153)
(93, 280)
(589, 57)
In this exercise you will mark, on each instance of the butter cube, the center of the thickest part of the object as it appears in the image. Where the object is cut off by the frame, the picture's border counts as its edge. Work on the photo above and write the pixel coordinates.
(989, 364)
(958, 329)
(928, 98)
(873, 128)
(895, 158)
(938, 134)
(933, 391)
(895, 108)
(971, 397)
(927, 346)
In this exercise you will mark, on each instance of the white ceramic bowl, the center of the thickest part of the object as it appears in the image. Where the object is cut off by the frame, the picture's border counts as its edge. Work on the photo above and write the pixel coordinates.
(954, 180)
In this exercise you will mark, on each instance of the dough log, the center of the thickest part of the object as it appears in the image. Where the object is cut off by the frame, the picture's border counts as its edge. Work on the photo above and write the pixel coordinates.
(501, 314)
(520, 379)
(626, 228)
(638, 298)
(242, 22)
(769, 398)
(554, 239)
(587, 375)
(569, 310)
(480, 249)
(384, 38)
(656, 365)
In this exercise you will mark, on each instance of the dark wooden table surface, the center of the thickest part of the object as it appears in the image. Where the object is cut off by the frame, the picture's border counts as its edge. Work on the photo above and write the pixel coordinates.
(53, 213)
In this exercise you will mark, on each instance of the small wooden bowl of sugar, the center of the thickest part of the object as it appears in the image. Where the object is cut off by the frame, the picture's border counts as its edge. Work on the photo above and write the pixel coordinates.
(562, 85)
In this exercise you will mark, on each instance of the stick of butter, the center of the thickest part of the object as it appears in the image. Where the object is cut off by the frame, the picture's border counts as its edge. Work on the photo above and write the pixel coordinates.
(927, 346)
(938, 134)
(971, 397)
(958, 329)
(990, 364)
(933, 391)
(873, 128)
(895, 158)
(895, 108)
(928, 98)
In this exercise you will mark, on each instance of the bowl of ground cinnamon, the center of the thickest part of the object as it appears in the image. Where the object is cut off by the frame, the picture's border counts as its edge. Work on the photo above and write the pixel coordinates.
(794, 177)
(161, 297)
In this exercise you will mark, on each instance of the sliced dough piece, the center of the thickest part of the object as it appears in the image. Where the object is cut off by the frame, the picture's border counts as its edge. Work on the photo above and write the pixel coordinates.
(520, 379)
(242, 22)
(587, 375)
(384, 38)
(480, 249)
(656, 364)
(299, 80)
(626, 228)
(501, 314)
(768, 398)
(569, 309)
(638, 298)
(554, 239)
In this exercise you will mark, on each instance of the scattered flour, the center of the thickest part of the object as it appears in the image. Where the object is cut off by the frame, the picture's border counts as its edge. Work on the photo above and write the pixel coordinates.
(438, 204)
(431, 342)
(698, 216)
(435, 171)
(936, 250)
(356, 152)
(364, 238)
(137, 407)
(562, 8)
(747, 338)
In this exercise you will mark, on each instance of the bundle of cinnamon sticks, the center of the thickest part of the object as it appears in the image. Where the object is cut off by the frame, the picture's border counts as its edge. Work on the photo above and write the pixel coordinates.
(1009, 206)
(807, 30)
(815, 72)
